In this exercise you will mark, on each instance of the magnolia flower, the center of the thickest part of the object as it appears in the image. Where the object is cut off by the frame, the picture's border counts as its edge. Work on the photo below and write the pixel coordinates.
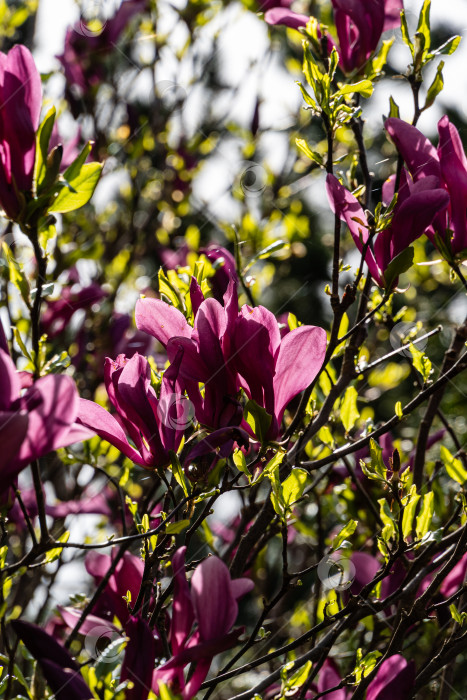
(448, 163)
(60, 670)
(20, 106)
(359, 25)
(229, 349)
(417, 206)
(35, 422)
(154, 425)
(395, 678)
(211, 603)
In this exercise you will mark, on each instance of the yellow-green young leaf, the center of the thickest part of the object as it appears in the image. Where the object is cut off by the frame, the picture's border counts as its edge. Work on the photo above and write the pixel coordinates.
(306, 150)
(425, 516)
(448, 47)
(299, 678)
(178, 473)
(424, 23)
(349, 410)
(381, 57)
(363, 88)
(175, 528)
(240, 463)
(453, 466)
(308, 99)
(409, 512)
(293, 486)
(42, 146)
(364, 666)
(17, 277)
(344, 534)
(459, 617)
(405, 33)
(389, 529)
(421, 362)
(166, 694)
(78, 190)
(435, 87)
(393, 108)
(398, 409)
(54, 554)
(258, 419)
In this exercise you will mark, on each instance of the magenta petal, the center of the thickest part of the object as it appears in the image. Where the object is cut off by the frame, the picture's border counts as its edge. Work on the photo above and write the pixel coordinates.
(392, 14)
(267, 319)
(414, 215)
(10, 385)
(300, 358)
(454, 579)
(72, 615)
(215, 607)
(161, 320)
(20, 112)
(328, 678)
(454, 170)
(418, 152)
(182, 609)
(282, 15)
(366, 568)
(104, 424)
(395, 678)
(138, 662)
(13, 430)
(241, 586)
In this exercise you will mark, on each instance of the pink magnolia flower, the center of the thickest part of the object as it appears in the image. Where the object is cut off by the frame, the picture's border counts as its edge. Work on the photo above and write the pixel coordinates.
(228, 349)
(154, 425)
(395, 678)
(359, 25)
(417, 206)
(84, 50)
(20, 106)
(448, 163)
(35, 422)
(211, 603)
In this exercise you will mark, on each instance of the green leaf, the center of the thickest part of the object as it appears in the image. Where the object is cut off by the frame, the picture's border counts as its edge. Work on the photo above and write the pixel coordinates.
(300, 676)
(376, 455)
(380, 60)
(363, 88)
(405, 33)
(306, 150)
(240, 463)
(425, 516)
(349, 410)
(78, 190)
(409, 512)
(258, 419)
(17, 276)
(42, 147)
(421, 362)
(365, 665)
(344, 534)
(178, 473)
(175, 528)
(166, 694)
(435, 87)
(54, 554)
(401, 263)
(389, 529)
(453, 466)
(393, 108)
(459, 617)
(423, 26)
(293, 486)
(448, 47)
(398, 409)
